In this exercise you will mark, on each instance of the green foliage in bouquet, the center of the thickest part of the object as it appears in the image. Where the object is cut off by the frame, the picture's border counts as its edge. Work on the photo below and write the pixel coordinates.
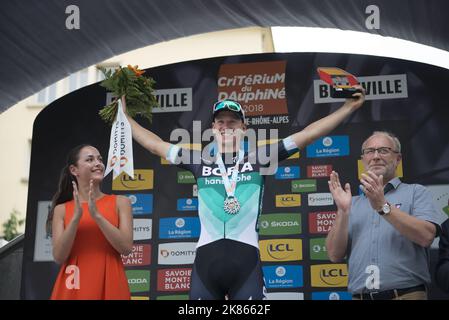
(137, 89)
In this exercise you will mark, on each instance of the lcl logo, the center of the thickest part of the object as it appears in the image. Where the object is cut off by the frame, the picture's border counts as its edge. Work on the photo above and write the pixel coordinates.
(288, 200)
(142, 180)
(333, 276)
(137, 177)
(332, 273)
(281, 247)
(281, 250)
(329, 275)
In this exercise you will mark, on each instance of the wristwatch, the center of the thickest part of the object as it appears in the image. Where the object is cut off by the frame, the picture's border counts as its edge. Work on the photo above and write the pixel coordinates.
(385, 210)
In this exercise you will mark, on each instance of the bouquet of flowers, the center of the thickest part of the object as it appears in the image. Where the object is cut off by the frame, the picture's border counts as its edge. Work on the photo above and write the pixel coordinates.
(138, 90)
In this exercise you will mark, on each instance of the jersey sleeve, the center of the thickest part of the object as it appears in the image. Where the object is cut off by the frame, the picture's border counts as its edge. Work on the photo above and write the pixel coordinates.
(184, 158)
(286, 148)
(270, 155)
(281, 150)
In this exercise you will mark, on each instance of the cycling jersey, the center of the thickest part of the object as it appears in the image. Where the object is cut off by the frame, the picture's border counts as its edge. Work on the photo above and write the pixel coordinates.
(216, 224)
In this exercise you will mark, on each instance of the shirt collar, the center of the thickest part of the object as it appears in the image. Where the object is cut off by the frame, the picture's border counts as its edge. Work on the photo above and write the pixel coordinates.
(395, 182)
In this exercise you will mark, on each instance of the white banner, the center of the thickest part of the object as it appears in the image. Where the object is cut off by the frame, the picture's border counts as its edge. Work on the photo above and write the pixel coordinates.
(120, 156)
(392, 86)
(43, 249)
(142, 229)
(176, 253)
(173, 100)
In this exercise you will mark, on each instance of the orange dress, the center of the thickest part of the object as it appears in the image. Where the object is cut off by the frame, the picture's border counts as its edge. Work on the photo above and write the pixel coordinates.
(94, 269)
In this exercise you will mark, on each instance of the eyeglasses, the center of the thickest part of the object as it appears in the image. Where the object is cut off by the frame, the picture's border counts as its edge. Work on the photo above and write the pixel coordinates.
(228, 104)
(382, 151)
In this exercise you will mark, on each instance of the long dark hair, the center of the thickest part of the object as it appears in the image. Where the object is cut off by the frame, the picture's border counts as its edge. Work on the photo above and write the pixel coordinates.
(65, 188)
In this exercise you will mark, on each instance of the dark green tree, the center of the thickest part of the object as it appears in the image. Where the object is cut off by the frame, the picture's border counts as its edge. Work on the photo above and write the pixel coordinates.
(11, 225)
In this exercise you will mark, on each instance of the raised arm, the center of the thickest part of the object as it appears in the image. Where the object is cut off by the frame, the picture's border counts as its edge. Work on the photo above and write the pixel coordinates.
(327, 124)
(146, 138)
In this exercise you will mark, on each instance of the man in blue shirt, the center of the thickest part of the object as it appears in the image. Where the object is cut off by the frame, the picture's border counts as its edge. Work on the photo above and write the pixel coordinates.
(385, 232)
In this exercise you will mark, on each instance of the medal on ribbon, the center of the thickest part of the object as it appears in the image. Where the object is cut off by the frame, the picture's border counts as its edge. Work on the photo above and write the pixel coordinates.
(230, 205)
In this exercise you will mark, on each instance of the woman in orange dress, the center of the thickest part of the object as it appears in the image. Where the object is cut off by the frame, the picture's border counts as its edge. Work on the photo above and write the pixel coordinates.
(89, 231)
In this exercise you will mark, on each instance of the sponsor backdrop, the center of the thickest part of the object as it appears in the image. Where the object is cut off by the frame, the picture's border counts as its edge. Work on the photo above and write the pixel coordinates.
(278, 91)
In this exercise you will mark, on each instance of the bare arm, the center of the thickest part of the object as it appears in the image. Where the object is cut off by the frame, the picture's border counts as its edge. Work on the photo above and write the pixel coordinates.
(337, 238)
(63, 238)
(146, 138)
(120, 238)
(327, 124)
(419, 231)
